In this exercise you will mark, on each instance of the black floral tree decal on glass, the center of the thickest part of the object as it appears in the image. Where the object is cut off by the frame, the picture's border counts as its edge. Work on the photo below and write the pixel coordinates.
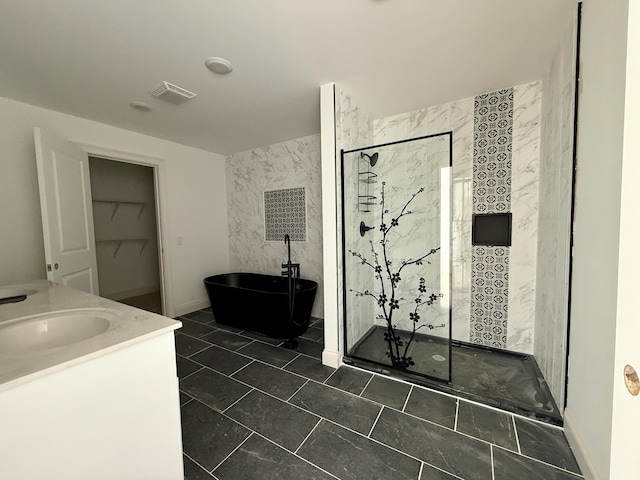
(388, 277)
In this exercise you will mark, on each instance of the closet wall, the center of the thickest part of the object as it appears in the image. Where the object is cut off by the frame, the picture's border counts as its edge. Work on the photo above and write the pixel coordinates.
(124, 216)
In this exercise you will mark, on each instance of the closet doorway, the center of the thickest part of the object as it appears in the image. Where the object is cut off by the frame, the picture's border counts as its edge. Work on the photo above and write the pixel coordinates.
(125, 217)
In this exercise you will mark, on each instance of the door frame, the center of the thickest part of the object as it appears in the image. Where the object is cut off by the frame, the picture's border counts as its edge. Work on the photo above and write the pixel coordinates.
(160, 182)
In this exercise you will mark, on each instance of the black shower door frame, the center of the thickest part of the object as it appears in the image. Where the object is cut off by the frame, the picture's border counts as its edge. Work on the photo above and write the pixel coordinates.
(365, 362)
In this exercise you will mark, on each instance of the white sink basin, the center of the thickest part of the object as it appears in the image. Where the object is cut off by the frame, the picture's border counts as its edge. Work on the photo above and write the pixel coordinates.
(55, 329)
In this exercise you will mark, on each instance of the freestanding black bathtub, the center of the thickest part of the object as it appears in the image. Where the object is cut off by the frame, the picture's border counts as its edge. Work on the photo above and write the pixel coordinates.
(252, 301)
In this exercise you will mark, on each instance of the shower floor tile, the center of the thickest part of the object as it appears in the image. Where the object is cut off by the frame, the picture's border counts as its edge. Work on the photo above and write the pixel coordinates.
(498, 378)
(282, 414)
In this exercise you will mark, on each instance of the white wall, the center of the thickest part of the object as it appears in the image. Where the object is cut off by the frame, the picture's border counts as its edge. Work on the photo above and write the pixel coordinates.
(194, 198)
(588, 416)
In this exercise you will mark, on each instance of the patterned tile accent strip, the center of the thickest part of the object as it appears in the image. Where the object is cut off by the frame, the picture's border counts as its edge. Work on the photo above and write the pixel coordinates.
(285, 212)
(492, 141)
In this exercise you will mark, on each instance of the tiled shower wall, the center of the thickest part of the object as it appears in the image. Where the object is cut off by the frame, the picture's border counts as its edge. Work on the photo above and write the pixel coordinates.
(353, 130)
(554, 215)
(287, 165)
(458, 116)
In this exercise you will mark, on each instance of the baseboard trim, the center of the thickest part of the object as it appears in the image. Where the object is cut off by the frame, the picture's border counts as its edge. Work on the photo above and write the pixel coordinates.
(136, 292)
(191, 307)
(331, 358)
(577, 445)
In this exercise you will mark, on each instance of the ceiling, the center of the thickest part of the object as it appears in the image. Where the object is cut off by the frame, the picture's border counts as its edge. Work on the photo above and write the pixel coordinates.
(92, 58)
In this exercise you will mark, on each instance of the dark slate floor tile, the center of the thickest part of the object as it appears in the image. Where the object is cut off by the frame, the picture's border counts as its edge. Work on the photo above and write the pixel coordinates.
(432, 406)
(387, 391)
(508, 465)
(208, 436)
(310, 368)
(450, 451)
(186, 367)
(186, 345)
(262, 338)
(208, 310)
(228, 340)
(545, 443)
(279, 421)
(224, 326)
(343, 408)
(221, 360)
(432, 473)
(350, 456)
(270, 379)
(213, 389)
(184, 398)
(193, 471)
(315, 334)
(268, 353)
(316, 322)
(200, 316)
(259, 459)
(486, 424)
(308, 347)
(193, 328)
(349, 379)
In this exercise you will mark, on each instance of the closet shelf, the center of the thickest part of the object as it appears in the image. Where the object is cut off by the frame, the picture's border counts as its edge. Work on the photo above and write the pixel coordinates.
(119, 243)
(117, 203)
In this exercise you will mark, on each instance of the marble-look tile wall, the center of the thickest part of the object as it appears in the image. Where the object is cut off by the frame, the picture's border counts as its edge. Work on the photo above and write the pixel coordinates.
(408, 169)
(524, 208)
(290, 164)
(458, 117)
(353, 130)
(552, 282)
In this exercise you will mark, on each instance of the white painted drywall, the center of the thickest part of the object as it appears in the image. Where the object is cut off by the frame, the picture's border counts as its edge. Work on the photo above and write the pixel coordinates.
(116, 416)
(194, 197)
(597, 232)
(332, 351)
(626, 408)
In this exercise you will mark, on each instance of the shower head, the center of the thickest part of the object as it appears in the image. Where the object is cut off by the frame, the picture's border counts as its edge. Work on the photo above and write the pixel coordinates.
(373, 159)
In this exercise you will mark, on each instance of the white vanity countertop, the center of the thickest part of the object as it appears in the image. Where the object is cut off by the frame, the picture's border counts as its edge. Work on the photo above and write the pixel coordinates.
(129, 326)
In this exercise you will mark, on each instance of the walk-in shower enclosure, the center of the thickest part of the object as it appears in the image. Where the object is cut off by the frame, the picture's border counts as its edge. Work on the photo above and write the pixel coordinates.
(397, 231)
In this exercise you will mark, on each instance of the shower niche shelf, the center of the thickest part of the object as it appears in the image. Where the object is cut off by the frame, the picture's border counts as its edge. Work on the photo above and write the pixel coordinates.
(365, 179)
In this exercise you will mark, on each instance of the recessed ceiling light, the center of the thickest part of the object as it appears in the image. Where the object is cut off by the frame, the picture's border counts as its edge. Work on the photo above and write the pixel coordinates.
(141, 106)
(218, 65)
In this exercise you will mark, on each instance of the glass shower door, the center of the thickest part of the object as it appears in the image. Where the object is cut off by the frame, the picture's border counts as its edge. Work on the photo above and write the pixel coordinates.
(396, 223)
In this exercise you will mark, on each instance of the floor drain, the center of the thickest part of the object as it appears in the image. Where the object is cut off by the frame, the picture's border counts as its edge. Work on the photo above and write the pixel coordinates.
(438, 358)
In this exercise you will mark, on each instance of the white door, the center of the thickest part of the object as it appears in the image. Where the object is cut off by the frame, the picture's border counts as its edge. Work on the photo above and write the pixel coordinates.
(625, 443)
(67, 214)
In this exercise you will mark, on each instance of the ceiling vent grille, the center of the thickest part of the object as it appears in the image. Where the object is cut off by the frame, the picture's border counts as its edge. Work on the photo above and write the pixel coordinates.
(171, 93)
